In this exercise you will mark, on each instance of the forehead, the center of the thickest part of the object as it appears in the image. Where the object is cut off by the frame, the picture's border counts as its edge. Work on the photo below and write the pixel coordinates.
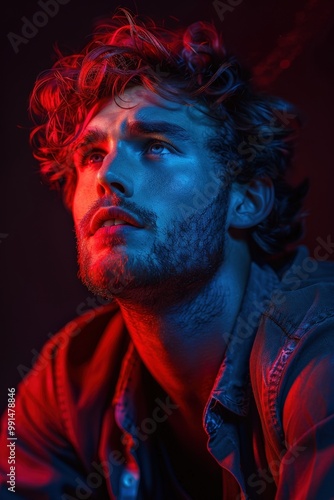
(143, 105)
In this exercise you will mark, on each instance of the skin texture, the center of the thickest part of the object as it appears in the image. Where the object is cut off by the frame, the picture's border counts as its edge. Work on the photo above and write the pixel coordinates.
(180, 277)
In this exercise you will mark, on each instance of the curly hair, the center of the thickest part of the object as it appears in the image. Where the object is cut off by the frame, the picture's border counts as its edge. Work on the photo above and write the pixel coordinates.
(254, 133)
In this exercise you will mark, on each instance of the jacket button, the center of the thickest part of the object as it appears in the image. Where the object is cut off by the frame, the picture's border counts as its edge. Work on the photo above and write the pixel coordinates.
(128, 480)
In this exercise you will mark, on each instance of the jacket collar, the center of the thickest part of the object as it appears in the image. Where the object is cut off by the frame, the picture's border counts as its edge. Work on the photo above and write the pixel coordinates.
(232, 385)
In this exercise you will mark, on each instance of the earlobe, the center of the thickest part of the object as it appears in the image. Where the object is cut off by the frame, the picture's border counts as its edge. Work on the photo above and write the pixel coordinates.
(251, 203)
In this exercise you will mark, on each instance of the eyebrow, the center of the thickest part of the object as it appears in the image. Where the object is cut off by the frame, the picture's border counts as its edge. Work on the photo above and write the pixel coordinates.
(92, 137)
(172, 130)
(164, 128)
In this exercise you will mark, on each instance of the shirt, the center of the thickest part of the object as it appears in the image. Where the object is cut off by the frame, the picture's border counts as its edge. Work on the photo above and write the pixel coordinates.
(91, 421)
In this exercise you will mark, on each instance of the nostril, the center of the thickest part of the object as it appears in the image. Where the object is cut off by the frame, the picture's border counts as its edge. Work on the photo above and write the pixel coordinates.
(108, 181)
(119, 187)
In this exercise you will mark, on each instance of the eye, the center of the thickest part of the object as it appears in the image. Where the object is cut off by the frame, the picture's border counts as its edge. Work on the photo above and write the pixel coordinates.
(94, 157)
(158, 148)
(91, 158)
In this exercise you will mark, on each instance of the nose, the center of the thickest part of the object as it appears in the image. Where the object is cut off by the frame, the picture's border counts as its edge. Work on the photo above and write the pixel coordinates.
(114, 176)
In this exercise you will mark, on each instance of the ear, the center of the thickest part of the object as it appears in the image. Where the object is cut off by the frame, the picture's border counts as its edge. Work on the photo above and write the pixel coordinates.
(251, 203)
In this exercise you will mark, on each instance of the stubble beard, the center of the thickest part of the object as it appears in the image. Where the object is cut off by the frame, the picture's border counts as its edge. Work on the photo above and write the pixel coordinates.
(180, 260)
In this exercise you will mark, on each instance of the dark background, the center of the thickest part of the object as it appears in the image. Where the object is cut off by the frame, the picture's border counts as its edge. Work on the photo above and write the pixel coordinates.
(290, 43)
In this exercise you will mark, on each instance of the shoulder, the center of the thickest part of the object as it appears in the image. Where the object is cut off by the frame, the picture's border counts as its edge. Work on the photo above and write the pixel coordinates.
(304, 295)
(302, 299)
(82, 342)
(77, 370)
(292, 369)
(60, 401)
(293, 353)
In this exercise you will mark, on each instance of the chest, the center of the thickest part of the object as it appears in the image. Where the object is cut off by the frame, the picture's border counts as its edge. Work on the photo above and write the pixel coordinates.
(187, 458)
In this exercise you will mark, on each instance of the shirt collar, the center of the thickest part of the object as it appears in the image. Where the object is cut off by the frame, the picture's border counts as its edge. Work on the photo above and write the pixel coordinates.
(232, 384)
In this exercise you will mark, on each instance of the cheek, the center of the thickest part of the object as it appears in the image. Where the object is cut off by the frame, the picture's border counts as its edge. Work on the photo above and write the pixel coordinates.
(174, 196)
(182, 183)
(83, 198)
(190, 188)
(164, 193)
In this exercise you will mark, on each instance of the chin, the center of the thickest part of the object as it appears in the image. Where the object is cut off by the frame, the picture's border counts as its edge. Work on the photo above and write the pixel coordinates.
(107, 276)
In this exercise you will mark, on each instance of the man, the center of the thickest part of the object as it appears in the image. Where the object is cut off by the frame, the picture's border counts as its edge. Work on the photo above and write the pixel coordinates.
(208, 373)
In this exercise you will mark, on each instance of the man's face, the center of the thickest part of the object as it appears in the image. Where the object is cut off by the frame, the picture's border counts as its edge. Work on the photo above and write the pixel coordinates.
(149, 209)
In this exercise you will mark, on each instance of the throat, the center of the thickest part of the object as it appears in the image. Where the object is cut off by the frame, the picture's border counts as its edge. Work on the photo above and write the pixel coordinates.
(182, 356)
(184, 344)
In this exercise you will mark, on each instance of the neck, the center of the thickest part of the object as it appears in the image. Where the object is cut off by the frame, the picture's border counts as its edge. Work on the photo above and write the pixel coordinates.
(183, 344)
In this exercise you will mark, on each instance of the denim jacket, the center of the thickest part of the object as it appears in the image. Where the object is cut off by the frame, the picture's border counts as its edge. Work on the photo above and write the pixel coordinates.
(89, 416)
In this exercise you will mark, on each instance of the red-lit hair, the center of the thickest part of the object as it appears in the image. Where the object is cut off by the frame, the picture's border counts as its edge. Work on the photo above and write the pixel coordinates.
(187, 66)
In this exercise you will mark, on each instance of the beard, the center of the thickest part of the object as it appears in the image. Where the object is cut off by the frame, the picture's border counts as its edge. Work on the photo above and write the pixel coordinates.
(181, 258)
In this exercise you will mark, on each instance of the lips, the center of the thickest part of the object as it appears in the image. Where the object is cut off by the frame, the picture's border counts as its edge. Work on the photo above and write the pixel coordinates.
(113, 216)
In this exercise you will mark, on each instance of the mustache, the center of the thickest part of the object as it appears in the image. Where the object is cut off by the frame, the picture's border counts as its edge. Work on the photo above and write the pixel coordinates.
(146, 216)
